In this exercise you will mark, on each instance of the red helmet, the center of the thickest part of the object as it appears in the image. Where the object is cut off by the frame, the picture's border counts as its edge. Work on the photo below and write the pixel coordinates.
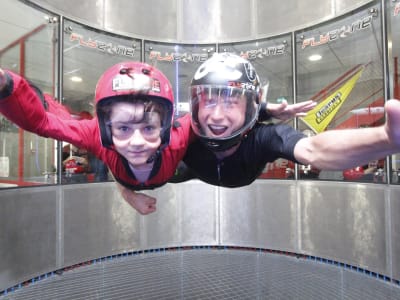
(129, 81)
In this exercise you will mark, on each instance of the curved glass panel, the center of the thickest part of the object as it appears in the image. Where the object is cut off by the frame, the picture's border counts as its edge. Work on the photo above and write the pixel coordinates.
(29, 49)
(340, 65)
(178, 62)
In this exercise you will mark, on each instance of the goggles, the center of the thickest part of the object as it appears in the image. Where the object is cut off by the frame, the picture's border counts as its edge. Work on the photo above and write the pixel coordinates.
(149, 127)
(227, 98)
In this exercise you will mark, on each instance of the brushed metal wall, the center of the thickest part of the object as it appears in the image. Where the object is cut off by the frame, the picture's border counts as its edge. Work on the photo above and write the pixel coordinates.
(43, 229)
(28, 234)
(200, 21)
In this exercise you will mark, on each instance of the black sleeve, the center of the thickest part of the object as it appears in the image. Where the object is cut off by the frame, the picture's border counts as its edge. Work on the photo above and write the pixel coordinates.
(263, 114)
(7, 91)
(287, 138)
(273, 142)
(39, 92)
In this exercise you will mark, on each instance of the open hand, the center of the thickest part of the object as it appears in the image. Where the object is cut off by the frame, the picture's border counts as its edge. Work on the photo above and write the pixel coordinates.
(283, 111)
(392, 125)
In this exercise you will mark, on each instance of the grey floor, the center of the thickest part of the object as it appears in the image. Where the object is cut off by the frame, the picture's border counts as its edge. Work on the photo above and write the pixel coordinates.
(209, 274)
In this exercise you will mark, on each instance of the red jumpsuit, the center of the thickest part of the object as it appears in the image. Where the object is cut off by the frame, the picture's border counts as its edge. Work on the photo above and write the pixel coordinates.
(23, 107)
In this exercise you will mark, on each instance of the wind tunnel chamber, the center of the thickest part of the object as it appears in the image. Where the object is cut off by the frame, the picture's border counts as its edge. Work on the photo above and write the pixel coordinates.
(295, 233)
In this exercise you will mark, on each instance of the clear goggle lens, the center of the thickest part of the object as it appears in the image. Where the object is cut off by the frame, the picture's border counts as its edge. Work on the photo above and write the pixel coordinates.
(149, 127)
(226, 97)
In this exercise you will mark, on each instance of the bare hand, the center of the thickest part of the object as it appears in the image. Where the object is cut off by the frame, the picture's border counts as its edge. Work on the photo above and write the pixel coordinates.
(143, 203)
(283, 111)
(392, 124)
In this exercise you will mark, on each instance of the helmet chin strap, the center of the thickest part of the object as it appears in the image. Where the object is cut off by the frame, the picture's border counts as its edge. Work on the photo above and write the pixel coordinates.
(161, 148)
(220, 146)
(154, 156)
(216, 145)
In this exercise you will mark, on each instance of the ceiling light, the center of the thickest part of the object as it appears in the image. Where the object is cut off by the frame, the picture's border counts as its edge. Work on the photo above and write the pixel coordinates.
(76, 79)
(314, 57)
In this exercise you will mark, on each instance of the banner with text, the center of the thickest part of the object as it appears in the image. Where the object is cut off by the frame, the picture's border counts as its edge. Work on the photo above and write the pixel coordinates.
(320, 117)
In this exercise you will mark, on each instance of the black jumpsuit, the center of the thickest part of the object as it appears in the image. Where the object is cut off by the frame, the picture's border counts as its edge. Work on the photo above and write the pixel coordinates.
(264, 143)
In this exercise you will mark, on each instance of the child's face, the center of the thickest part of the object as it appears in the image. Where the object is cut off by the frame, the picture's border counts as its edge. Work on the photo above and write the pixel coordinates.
(135, 133)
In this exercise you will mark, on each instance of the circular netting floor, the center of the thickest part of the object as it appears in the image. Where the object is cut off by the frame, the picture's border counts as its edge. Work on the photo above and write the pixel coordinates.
(209, 274)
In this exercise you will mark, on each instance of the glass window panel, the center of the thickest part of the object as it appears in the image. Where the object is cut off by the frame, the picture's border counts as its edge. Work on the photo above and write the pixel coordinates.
(339, 64)
(178, 62)
(88, 53)
(272, 59)
(27, 48)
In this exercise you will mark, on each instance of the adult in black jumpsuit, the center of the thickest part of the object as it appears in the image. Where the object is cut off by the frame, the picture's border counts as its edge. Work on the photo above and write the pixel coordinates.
(232, 151)
(255, 143)
(232, 147)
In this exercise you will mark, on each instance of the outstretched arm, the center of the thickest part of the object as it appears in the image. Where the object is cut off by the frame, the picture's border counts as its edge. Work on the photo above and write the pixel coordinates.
(20, 104)
(283, 111)
(343, 149)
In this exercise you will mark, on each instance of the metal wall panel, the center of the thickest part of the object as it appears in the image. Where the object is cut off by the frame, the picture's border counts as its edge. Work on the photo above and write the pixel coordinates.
(345, 222)
(97, 223)
(221, 20)
(186, 214)
(249, 215)
(280, 17)
(394, 230)
(199, 213)
(150, 18)
(161, 229)
(340, 6)
(46, 228)
(89, 11)
(276, 17)
(27, 234)
(200, 21)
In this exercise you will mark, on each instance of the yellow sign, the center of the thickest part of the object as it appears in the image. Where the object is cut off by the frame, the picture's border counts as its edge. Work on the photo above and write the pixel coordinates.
(320, 116)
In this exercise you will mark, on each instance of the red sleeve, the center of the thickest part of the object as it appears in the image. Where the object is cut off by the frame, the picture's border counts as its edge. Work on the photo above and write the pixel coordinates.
(185, 123)
(24, 108)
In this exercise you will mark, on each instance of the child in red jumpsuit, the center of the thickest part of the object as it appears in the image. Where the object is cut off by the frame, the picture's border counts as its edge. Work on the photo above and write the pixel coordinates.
(140, 143)
(133, 132)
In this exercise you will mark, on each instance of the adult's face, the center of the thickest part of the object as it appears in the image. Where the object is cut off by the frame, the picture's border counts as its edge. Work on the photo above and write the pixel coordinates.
(221, 111)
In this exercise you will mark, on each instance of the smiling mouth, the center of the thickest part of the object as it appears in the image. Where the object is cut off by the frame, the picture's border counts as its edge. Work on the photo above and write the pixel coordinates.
(137, 152)
(217, 129)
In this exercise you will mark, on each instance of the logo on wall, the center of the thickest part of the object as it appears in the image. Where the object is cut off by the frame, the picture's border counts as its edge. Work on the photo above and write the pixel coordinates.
(263, 52)
(338, 33)
(106, 47)
(175, 56)
(202, 57)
